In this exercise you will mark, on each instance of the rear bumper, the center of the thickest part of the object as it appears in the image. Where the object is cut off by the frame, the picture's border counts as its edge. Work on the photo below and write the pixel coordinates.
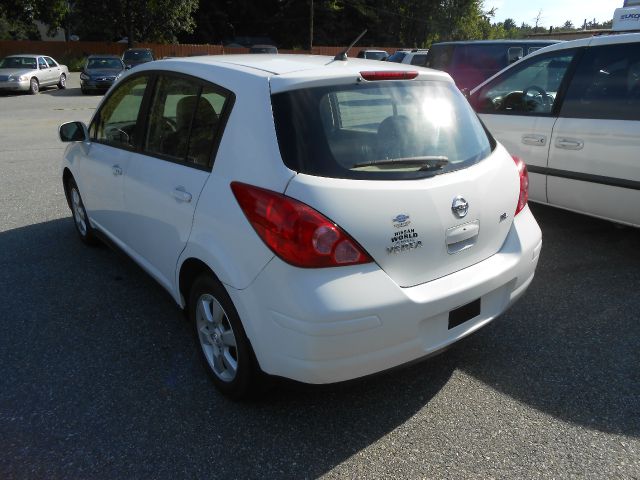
(331, 325)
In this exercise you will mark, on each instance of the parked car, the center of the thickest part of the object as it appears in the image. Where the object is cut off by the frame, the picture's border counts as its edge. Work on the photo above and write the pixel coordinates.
(137, 56)
(29, 73)
(572, 112)
(99, 73)
(417, 56)
(370, 221)
(472, 62)
(373, 54)
(263, 49)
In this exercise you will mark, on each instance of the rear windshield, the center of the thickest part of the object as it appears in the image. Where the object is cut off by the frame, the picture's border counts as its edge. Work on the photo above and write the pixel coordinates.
(379, 130)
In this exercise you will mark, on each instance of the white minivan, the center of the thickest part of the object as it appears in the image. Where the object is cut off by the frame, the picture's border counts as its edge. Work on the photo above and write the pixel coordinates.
(572, 112)
(319, 219)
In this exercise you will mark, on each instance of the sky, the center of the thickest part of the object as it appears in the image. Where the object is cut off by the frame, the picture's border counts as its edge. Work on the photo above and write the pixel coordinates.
(554, 12)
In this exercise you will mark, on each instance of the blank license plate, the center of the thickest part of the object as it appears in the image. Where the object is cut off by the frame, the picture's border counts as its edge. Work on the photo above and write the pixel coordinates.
(464, 313)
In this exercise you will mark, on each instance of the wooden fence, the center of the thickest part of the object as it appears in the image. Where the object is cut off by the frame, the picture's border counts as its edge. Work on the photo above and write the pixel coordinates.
(82, 49)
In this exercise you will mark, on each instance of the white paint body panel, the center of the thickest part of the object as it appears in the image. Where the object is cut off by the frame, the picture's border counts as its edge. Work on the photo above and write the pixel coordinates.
(336, 324)
(313, 325)
(610, 149)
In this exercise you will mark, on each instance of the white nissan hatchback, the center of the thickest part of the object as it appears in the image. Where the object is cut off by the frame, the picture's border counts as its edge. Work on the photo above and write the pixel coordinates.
(319, 219)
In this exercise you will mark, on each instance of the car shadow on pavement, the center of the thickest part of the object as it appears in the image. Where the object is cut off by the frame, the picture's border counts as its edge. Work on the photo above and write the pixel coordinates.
(571, 346)
(67, 92)
(99, 373)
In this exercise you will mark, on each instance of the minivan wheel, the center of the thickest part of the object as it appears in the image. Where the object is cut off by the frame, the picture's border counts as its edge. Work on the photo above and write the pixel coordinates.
(80, 218)
(222, 341)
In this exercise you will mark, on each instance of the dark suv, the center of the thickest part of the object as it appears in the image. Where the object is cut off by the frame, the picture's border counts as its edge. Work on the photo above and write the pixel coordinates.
(472, 62)
(137, 56)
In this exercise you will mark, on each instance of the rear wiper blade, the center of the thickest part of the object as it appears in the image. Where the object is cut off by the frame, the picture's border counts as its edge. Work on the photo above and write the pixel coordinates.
(426, 163)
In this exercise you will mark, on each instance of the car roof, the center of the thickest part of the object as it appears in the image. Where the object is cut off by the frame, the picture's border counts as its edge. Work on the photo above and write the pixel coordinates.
(284, 64)
(28, 55)
(498, 42)
(290, 70)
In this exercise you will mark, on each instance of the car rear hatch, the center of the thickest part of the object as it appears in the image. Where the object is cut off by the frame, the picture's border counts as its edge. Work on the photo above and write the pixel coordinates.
(404, 167)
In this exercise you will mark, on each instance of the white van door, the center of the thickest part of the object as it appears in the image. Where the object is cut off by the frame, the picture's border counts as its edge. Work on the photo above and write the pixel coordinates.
(593, 160)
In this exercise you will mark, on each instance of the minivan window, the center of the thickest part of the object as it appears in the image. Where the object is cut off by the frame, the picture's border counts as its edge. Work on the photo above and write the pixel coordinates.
(116, 122)
(606, 84)
(388, 130)
(530, 88)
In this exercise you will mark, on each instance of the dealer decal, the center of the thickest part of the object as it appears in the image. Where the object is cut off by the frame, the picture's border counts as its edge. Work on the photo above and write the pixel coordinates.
(404, 240)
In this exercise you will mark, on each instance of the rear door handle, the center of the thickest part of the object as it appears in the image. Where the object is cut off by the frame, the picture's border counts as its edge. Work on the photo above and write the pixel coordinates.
(181, 195)
(116, 170)
(536, 140)
(569, 143)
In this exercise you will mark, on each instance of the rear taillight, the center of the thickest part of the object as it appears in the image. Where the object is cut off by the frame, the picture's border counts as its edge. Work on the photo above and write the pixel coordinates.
(524, 184)
(377, 76)
(295, 232)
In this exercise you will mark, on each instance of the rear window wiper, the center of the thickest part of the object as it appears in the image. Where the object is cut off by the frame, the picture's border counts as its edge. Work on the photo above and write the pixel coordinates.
(425, 163)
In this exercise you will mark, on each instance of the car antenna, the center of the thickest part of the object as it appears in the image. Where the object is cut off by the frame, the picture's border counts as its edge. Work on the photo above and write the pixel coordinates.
(342, 56)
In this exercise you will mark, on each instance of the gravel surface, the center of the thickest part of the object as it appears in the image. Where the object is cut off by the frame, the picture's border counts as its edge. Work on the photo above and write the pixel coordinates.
(99, 376)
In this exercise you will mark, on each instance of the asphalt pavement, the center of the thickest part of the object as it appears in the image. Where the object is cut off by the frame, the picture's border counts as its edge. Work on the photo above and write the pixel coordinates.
(99, 376)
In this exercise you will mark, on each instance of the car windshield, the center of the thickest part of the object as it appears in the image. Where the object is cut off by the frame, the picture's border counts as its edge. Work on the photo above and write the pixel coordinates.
(138, 55)
(19, 62)
(106, 63)
(379, 130)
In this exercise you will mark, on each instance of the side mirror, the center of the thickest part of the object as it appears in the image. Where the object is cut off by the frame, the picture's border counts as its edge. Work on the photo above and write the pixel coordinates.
(73, 132)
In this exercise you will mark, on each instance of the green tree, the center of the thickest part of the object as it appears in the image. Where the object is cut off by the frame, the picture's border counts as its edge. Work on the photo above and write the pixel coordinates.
(147, 21)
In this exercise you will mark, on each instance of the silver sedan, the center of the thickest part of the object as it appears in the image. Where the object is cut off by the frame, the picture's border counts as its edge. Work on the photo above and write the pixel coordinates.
(28, 73)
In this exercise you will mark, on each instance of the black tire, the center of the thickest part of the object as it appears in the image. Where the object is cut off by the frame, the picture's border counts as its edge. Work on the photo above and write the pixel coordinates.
(213, 339)
(80, 219)
(62, 84)
(34, 86)
(84, 91)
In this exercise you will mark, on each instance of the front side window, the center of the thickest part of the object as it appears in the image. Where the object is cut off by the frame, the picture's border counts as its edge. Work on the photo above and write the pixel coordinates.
(42, 64)
(184, 120)
(381, 130)
(606, 84)
(531, 88)
(52, 63)
(116, 123)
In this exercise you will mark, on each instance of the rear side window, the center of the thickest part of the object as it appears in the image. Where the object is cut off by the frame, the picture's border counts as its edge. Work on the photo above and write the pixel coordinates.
(184, 120)
(606, 84)
(116, 123)
(379, 130)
